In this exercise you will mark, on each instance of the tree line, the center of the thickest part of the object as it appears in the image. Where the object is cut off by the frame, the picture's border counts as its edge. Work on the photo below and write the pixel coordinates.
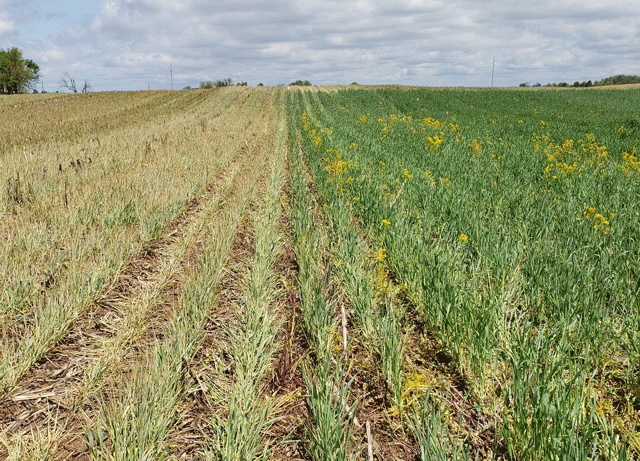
(613, 80)
(220, 83)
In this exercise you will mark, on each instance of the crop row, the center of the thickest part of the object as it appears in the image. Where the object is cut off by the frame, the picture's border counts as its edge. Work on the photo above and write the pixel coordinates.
(513, 230)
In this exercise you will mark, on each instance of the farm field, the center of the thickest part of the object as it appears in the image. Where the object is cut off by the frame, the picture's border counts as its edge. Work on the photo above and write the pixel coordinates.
(344, 273)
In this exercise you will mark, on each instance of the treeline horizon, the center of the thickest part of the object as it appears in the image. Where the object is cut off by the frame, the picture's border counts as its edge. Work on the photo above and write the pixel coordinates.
(613, 80)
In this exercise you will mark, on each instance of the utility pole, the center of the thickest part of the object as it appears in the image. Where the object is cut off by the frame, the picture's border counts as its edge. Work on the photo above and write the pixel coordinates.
(493, 66)
(171, 71)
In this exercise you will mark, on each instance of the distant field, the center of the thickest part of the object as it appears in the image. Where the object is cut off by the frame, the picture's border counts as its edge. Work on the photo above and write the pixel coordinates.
(332, 274)
(625, 86)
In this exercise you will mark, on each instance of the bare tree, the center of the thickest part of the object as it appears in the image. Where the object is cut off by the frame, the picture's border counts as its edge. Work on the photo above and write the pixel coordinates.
(69, 83)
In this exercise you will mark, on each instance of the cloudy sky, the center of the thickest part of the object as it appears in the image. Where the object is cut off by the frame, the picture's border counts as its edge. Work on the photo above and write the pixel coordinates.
(133, 44)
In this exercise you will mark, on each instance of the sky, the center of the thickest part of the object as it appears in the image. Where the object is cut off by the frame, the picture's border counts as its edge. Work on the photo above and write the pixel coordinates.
(144, 44)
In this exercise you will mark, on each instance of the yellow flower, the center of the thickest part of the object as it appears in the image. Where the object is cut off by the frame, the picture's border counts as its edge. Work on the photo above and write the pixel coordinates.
(475, 147)
(382, 254)
(463, 238)
(406, 174)
(386, 222)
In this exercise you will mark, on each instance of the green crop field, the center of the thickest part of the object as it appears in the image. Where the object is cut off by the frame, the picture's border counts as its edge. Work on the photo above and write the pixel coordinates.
(333, 273)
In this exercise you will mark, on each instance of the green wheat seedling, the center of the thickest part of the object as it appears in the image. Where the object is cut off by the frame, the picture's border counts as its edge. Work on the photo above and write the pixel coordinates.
(138, 422)
(435, 440)
(62, 254)
(549, 408)
(392, 347)
(241, 435)
(500, 217)
(328, 394)
(355, 269)
(332, 417)
(134, 317)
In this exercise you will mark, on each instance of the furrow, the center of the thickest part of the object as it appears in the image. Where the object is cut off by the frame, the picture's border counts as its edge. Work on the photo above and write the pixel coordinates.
(137, 418)
(234, 408)
(55, 395)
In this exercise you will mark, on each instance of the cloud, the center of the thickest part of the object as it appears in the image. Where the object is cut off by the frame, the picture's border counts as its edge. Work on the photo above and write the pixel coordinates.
(7, 24)
(424, 42)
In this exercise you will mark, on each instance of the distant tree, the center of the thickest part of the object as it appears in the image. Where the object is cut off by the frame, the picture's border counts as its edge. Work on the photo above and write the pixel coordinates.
(260, 84)
(301, 83)
(187, 87)
(618, 80)
(225, 82)
(69, 83)
(524, 85)
(208, 84)
(17, 75)
(241, 84)
(537, 85)
(622, 79)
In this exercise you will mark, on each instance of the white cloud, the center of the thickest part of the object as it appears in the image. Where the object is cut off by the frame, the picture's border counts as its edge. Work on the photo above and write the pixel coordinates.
(429, 42)
(7, 25)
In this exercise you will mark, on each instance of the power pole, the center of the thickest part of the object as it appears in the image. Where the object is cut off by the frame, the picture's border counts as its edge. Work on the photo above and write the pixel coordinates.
(171, 71)
(493, 66)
